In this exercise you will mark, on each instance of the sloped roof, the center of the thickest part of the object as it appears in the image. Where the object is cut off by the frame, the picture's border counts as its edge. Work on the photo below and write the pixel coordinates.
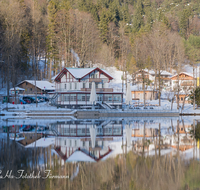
(54, 77)
(162, 72)
(189, 74)
(42, 142)
(17, 88)
(43, 85)
(80, 156)
(80, 73)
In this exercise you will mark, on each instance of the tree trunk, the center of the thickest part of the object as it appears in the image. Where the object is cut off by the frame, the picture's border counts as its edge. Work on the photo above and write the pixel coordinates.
(178, 91)
(194, 88)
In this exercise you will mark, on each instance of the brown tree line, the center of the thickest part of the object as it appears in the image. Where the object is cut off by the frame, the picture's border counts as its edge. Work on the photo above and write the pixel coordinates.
(56, 32)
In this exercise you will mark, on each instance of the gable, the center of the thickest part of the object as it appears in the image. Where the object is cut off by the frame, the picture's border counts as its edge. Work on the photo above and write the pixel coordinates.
(182, 76)
(80, 73)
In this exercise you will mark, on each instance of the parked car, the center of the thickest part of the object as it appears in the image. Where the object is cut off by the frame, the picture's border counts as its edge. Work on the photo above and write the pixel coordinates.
(45, 99)
(22, 101)
(31, 99)
(28, 101)
(40, 99)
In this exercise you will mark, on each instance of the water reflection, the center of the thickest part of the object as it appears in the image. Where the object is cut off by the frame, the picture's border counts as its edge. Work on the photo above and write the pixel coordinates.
(35, 145)
(95, 140)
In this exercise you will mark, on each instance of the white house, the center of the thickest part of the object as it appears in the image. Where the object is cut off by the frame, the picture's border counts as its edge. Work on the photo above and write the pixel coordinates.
(151, 76)
(186, 81)
(73, 86)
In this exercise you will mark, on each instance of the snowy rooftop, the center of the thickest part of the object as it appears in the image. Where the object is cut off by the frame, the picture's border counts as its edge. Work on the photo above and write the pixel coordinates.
(43, 142)
(189, 74)
(17, 88)
(43, 85)
(79, 156)
(81, 72)
(152, 72)
(139, 87)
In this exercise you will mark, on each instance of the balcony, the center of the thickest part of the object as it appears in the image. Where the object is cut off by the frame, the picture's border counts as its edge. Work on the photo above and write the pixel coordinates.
(98, 80)
(98, 89)
(187, 84)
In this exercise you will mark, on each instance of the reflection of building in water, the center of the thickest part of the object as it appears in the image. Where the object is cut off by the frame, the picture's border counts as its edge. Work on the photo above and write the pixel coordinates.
(82, 128)
(174, 137)
(149, 132)
(80, 140)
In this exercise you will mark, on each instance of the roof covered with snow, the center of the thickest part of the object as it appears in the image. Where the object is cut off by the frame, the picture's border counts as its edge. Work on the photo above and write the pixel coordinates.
(152, 72)
(17, 88)
(79, 73)
(80, 156)
(42, 142)
(43, 85)
(189, 74)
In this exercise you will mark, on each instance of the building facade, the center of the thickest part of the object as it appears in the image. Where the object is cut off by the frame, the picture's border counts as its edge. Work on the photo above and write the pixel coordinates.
(186, 82)
(73, 87)
(31, 87)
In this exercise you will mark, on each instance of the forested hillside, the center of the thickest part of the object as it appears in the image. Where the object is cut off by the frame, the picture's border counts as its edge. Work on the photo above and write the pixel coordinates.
(128, 34)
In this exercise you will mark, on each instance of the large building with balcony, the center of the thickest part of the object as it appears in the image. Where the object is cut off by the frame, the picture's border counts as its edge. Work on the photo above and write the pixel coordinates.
(186, 82)
(73, 87)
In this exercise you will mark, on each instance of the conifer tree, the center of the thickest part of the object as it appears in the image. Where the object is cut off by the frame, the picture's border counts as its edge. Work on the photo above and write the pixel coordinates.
(103, 25)
(138, 17)
(51, 38)
(184, 23)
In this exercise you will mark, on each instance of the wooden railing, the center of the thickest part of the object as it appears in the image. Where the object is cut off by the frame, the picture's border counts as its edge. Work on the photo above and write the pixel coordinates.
(97, 79)
(98, 89)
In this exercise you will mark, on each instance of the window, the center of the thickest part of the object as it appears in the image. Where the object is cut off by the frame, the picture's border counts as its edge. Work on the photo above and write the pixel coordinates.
(181, 98)
(90, 85)
(75, 86)
(83, 97)
(75, 142)
(100, 97)
(88, 97)
(83, 85)
(96, 85)
(65, 86)
(66, 97)
(72, 97)
(108, 97)
(79, 97)
(117, 98)
(83, 143)
(96, 75)
(30, 89)
(70, 86)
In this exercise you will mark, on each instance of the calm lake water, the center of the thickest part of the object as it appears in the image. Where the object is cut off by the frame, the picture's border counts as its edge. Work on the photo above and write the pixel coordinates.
(39, 145)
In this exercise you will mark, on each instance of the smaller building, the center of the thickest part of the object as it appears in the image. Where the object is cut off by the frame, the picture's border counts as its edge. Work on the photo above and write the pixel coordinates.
(186, 81)
(18, 90)
(183, 96)
(150, 77)
(42, 87)
(137, 93)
